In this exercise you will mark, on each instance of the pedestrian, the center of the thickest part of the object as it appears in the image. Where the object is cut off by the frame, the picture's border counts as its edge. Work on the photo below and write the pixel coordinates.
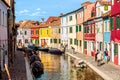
(99, 58)
(96, 55)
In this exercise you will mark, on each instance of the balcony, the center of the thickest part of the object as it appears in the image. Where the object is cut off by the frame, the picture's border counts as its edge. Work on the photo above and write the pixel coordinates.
(88, 36)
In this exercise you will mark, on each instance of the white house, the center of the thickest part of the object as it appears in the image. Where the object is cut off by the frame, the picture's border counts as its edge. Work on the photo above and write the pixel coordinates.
(64, 30)
(101, 8)
(24, 34)
(3, 34)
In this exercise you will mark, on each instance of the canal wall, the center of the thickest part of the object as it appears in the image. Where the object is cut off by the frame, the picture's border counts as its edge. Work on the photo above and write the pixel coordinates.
(98, 71)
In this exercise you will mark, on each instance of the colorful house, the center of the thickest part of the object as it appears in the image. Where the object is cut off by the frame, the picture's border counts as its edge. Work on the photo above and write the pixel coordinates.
(24, 33)
(55, 38)
(35, 33)
(115, 31)
(89, 28)
(45, 33)
(101, 7)
(79, 29)
(106, 28)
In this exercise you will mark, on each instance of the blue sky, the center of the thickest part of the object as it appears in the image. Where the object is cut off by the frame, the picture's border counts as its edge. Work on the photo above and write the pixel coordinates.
(37, 9)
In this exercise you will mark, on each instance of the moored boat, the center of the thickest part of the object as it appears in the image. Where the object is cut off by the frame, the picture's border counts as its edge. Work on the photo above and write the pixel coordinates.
(55, 51)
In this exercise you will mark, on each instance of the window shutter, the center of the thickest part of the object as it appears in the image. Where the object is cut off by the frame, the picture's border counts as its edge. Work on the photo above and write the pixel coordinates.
(106, 7)
(76, 28)
(117, 22)
(79, 27)
(111, 23)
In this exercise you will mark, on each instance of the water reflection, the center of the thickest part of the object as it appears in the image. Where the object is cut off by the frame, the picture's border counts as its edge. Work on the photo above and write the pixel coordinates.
(58, 67)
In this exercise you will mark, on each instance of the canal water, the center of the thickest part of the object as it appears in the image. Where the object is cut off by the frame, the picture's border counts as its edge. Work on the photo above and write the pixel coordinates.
(58, 67)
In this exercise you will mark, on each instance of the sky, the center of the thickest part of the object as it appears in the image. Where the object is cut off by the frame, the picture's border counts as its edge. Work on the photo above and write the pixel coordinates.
(37, 9)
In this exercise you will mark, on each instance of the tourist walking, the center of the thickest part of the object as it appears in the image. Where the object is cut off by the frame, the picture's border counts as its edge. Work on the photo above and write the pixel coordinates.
(99, 58)
(96, 55)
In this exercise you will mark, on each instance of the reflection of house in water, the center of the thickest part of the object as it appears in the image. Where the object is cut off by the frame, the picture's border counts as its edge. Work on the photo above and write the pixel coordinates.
(51, 62)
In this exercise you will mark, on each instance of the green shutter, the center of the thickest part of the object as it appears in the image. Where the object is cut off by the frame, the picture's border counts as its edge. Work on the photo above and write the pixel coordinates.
(111, 23)
(115, 49)
(50, 40)
(76, 28)
(80, 42)
(70, 41)
(79, 27)
(117, 22)
(70, 29)
(59, 30)
(59, 40)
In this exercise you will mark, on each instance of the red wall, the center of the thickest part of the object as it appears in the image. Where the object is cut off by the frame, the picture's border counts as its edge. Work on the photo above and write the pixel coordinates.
(115, 9)
(34, 35)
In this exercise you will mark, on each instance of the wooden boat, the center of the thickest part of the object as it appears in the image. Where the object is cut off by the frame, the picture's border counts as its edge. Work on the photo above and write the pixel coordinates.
(55, 51)
(43, 49)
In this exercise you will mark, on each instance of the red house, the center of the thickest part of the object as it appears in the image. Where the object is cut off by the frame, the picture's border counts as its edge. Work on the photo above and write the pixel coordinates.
(35, 34)
(89, 35)
(115, 31)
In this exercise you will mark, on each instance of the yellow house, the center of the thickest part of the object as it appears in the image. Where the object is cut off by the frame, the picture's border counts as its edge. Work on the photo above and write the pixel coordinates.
(45, 33)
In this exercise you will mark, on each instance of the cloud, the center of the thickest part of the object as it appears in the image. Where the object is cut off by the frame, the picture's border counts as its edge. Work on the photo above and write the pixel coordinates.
(35, 14)
(23, 11)
(38, 9)
(44, 12)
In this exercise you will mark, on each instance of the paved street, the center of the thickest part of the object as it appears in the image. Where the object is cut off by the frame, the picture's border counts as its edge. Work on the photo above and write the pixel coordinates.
(107, 71)
(18, 69)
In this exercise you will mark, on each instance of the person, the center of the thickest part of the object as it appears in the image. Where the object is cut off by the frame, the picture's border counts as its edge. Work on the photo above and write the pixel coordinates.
(105, 55)
(99, 58)
(96, 55)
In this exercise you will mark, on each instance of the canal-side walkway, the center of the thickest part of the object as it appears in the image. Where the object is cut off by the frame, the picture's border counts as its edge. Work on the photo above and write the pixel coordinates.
(108, 71)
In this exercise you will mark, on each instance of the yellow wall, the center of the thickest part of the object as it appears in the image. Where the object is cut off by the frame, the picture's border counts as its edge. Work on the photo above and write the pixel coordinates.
(43, 32)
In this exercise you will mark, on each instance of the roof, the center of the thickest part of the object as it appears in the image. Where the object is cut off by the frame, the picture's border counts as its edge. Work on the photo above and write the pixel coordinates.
(106, 14)
(104, 2)
(86, 3)
(5, 3)
(28, 24)
(43, 25)
(71, 12)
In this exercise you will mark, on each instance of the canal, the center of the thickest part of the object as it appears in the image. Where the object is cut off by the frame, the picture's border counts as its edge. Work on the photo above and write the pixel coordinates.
(58, 67)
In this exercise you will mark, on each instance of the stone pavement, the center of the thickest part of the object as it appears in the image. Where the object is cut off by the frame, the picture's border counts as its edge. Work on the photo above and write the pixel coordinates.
(108, 71)
(18, 68)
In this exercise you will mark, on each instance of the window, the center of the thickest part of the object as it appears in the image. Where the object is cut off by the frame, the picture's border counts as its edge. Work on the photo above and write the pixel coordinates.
(100, 46)
(79, 27)
(75, 41)
(3, 18)
(106, 7)
(85, 44)
(26, 41)
(70, 18)
(92, 14)
(21, 32)
(105, 26)
(32, 32)
(92, 46)
(118, 22)
(115, 49)
(25, 32)
(80, 43)
(59, 30)
(36, 41)
(31, 40)
(59, 40)
(111, 23)
(76, 28)
(55, 40)
(0, 17)
(50, 40)
(47, 32)
(70, 41)
(70, 30)
(37, 32)
(19, 41)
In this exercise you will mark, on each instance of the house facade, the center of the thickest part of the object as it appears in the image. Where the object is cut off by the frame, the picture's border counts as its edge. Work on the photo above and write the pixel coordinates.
(3, 34)
(101, 6)
(79, 26)
(64, 30)
(45, 33)
(115, 31)
(89, 28)
(55, 37)
(106, 23)
(35, 35)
